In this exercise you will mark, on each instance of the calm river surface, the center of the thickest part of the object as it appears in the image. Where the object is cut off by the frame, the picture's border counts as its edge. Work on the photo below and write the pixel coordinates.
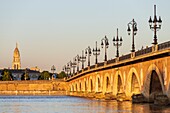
(67, 104)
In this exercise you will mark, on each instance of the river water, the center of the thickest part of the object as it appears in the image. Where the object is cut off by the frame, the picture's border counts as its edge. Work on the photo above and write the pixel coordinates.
(67, 104)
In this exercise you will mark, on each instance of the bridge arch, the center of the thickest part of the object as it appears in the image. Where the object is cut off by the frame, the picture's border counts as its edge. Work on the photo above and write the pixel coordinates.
(85, 84)
(107, 83)
(75, 86)
(153, 82)
(80, 86)
(118, 84)
(71, 87)
(133, 85)
(165, 73)
(91, 85)
(98, 83)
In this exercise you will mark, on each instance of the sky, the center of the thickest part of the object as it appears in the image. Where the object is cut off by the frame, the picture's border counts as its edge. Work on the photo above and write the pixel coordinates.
(53, 32)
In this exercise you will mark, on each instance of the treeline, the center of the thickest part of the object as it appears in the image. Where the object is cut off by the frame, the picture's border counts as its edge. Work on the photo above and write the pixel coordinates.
(45, 75)
(6, 75)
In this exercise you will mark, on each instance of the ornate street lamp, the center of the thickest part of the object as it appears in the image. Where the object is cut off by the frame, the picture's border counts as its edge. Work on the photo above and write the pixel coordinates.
(155, 25)
(105, 43)
(53, 69)
(96, 52)
(66, 68)
(73, 65)
(117, 42)
(134, 32)
(77, 59)
(88, 52)
(70, 65)
(82, 59)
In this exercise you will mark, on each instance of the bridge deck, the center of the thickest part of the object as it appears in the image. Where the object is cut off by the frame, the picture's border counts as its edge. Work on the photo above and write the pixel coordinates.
(149, 53)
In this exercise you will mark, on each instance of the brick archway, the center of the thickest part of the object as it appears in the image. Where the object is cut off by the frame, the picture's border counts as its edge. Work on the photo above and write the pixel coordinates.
(98, 84)
(118, 84)
(133, 85)
(155, 84)
(91, 86)
(71, 87)
(80, 86)
(147, 84)
(85, 86)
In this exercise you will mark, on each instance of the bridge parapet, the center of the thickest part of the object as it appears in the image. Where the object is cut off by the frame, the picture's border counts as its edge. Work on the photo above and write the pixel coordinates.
(100, 64)
(124, 57)
(147, 52)
(92, 67)
(85, 69)
(111, 61)
(144, 72)
(164, 45)
(143, 51)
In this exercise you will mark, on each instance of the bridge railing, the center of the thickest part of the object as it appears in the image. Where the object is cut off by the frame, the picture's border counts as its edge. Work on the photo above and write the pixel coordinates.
(85, 69)
(143, 51)
(80, 71)
(111, 61)
(92, 67)
(164, 45)
(100, 64)
(124, 57)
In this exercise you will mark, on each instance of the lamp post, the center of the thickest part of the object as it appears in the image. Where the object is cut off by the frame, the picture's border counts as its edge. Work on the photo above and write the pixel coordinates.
(88, 52)
(73, 64)
(53, 69)
(70, 65)
(117, 42)
(66, 69)
(105, 43)
(82, 59)
(96, 52)
(134, 32)
(155, 25)
(77, 59)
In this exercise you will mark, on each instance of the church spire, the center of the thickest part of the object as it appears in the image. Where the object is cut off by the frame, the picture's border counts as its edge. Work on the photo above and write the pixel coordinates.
(16, 64)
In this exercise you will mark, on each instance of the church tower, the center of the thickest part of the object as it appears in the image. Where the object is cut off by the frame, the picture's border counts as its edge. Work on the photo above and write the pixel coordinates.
(16, 64)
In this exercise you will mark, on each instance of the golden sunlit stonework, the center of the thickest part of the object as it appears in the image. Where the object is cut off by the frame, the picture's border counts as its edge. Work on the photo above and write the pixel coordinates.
(16, 64)
(142, 75)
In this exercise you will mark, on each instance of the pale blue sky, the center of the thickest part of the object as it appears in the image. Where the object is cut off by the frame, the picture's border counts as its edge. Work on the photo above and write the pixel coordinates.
(53, 32)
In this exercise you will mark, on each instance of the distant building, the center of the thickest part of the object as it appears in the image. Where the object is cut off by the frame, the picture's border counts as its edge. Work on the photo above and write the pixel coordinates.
(16, 70)
(35, 68)
(16, 63)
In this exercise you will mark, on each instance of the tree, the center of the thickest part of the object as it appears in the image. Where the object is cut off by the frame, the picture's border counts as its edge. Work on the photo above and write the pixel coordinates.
(45, 75)
(61, 75)
(25, 76)
(6, 75)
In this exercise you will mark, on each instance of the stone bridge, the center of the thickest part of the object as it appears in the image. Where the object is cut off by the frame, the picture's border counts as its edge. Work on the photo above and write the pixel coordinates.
(145, 72)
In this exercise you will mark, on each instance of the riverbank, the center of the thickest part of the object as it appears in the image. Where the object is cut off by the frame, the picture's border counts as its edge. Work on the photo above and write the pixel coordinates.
(38, 87)
(34, 93)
